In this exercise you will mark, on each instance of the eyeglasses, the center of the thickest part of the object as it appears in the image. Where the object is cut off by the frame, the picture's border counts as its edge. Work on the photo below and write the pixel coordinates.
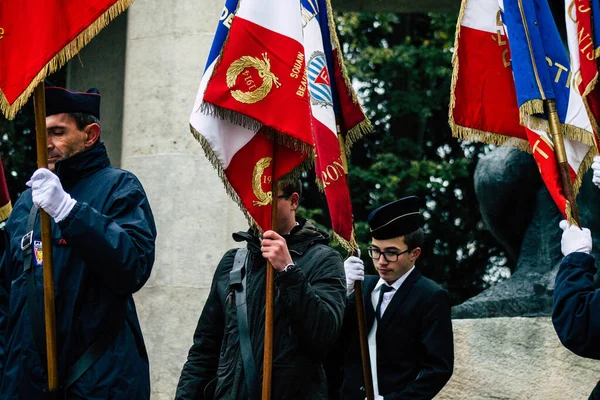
(284, 196)
(389, 256)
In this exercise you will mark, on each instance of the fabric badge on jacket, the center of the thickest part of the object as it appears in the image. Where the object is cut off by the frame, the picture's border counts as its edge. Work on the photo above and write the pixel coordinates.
(38, 257)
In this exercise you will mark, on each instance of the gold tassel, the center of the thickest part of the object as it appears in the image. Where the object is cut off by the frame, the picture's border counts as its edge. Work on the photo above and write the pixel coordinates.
(569, 214)
(349, 245)
(61, 58)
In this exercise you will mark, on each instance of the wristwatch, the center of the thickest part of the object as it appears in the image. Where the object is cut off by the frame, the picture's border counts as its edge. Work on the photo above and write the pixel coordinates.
(287, 268)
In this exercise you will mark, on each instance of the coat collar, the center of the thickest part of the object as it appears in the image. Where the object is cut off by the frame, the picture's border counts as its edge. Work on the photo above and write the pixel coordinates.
(399, 296)
(82, 164)
(304, 235)
(368, 286)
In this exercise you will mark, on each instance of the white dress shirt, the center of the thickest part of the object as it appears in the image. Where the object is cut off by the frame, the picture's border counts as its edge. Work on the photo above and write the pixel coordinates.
(387, 298)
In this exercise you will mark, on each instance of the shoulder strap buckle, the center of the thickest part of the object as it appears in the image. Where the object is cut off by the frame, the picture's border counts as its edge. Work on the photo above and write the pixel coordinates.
(236, 275)
(27, 240)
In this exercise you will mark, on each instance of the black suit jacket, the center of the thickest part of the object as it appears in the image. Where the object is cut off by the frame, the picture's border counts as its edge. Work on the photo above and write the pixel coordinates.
(415, 349)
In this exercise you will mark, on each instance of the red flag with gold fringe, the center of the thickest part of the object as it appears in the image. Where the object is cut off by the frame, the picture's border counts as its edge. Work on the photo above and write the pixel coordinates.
(37, 37)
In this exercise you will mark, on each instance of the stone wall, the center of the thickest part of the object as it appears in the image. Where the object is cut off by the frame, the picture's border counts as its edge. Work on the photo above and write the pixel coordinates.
(516, 359)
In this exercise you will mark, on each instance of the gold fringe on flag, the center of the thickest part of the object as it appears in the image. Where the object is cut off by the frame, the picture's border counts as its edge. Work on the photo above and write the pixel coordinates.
(5, 211)
(455, 63)
(61, 58)
(530, 108)
(590, 114)
(570, 132)
(474, 135)
(569, 214)
(586, 163)
(336, 43)
(214, 160)
(471, 134)
(349, 245)
(254, 125)
(357, 133)
(590, 86)
(364, 127)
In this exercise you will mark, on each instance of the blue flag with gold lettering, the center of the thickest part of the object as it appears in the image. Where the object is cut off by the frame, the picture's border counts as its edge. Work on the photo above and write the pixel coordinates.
(542, 70)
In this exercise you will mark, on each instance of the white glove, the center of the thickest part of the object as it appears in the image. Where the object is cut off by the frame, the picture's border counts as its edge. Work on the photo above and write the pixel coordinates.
(355, 271)
(596, 169)
(47, 193)
(575, 239)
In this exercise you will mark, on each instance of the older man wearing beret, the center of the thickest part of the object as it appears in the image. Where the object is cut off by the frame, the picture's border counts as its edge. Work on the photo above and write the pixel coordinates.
(408, 315)
(103, 238)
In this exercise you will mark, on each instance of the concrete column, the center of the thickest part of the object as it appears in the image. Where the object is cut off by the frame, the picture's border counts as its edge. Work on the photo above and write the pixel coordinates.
(167, 46)
(101, 64)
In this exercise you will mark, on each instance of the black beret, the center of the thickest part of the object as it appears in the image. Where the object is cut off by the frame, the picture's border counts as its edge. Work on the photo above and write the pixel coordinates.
(60, 100)
(395, 219)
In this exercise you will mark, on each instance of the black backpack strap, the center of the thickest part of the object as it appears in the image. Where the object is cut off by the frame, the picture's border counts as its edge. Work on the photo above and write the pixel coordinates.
(98, 346)
(35, 316)
(237, 282)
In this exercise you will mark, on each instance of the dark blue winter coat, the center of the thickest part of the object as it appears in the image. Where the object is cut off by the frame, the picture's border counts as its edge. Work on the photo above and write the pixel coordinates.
(102, 253)
(576, 311)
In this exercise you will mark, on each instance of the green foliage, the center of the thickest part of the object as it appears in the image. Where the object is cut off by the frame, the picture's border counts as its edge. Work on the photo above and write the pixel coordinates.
(17, 148)
(401, 65)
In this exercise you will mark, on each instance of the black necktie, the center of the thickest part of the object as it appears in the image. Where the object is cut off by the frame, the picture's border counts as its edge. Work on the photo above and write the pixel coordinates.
(384, 289)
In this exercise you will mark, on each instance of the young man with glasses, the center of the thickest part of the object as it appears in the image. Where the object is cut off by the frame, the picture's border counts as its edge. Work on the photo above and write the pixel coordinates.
(225, 360)
(408, 315)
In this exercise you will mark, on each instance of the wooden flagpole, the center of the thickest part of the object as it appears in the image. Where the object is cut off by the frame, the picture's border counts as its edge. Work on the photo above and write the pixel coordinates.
(49, 309)
(358, 296)
(561, 159)
(270, 295)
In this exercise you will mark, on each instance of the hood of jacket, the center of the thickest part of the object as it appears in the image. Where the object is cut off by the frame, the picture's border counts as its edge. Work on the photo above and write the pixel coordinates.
(304, 235)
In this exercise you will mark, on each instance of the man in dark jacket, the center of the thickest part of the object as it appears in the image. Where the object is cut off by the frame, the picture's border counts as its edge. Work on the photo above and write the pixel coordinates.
(408, 316)
(576, 309)
(309, 305)
(103, 238)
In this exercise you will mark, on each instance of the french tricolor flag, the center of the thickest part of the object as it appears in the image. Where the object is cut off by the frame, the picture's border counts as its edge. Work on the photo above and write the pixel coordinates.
(497, 94)
(542, 70)
(483, 104)
(582, 21)
(244, 154)
(324, 106)
(260, 77)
